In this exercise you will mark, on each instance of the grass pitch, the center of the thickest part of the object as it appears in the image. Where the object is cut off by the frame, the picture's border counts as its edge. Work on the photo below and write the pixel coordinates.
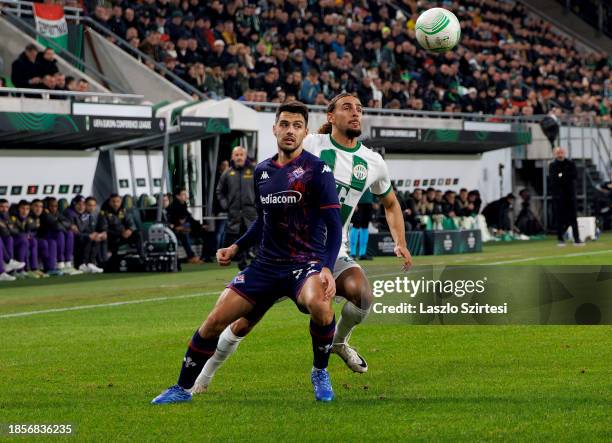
(97, 367)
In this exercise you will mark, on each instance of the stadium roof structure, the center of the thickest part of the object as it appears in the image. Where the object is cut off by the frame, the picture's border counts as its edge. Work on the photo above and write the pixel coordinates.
(444, 141)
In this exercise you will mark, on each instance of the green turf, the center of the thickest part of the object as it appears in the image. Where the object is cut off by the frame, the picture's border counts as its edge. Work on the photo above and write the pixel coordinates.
(98, 368)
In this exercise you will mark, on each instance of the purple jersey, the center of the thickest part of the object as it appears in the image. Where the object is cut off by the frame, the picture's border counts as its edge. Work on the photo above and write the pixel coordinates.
(289, 201)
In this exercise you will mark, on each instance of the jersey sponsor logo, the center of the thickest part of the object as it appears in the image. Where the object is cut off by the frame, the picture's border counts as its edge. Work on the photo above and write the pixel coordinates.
(326, 169)
(298, 172)
(283, 197)
(264, 175)
(360, 172)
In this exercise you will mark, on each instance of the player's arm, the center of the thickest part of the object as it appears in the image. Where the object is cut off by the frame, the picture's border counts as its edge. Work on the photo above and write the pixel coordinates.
(395, 220)
(330, 213)
(393, 213)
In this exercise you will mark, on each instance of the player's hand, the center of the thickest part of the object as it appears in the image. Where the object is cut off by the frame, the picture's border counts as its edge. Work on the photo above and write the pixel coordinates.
(403, 253)
(225, 255)
(329, 283)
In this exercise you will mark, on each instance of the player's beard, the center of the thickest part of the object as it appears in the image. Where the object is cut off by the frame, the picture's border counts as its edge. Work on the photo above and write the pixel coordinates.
(352, 133)
(289, 151)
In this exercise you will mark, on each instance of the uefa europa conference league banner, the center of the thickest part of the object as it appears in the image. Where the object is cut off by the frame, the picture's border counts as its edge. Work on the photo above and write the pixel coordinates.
(494, 295)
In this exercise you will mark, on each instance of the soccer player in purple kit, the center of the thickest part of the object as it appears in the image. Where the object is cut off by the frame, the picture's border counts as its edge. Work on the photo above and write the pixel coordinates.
(299, 231)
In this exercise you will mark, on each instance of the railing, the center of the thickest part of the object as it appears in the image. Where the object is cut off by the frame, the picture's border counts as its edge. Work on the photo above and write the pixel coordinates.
(90, 97)
(25, 8)
(76, 62)
(136, 53)
(19, 8)
(271, 107)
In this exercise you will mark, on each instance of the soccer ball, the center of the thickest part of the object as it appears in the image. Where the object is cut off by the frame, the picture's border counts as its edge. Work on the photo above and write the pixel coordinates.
(438, 30)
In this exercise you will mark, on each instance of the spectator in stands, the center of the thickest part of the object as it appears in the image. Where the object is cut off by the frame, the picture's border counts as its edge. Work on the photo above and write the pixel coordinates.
(86, 248)
(25, 72)
(562, 181)
(236, 196)
(310, 87)
(232, 85)
(47, 63)
(83, 85)
(183, 224)
(119, 226)
(59, 233)
(497, 213)
(214, 82)
(519, 60)
(8, 232)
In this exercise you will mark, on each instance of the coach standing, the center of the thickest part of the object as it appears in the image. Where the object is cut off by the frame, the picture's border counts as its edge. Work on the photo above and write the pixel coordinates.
(562, 178)
(236, 195)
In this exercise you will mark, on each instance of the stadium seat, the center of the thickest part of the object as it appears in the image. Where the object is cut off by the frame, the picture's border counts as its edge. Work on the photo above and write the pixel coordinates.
(63, 205)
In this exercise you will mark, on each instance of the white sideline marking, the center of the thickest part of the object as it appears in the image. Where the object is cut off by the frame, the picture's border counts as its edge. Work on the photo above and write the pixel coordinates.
(199, 294)
(576, 254)
(105, 305)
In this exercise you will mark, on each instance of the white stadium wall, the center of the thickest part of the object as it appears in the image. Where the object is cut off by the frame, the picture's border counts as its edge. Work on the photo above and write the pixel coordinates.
(33, 174)
(142, 179)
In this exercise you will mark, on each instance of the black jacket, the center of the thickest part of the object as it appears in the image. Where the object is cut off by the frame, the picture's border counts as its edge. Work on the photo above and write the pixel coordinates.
(7, 227)
(28, 225)
(236, 194)
(53, 223)
(23, 70)
(83, 222)
(114, 222)
(46, 67)
(562, 178)
(497, 214)
(178, 213)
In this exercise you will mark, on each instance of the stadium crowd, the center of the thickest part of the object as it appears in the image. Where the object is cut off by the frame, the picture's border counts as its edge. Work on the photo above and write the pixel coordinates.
(36, 69)
(507, 63)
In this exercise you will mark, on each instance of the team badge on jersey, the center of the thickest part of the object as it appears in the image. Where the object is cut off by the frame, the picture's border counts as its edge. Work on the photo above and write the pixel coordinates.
(360, 172)
(298, 172)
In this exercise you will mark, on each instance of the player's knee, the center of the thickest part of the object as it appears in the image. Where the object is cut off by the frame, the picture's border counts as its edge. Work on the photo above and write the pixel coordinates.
(358, 292)
(242, 327)
(321, 311)
(213, 326)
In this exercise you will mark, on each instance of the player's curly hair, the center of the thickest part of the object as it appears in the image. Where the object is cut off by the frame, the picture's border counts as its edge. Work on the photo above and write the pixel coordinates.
(326, 128)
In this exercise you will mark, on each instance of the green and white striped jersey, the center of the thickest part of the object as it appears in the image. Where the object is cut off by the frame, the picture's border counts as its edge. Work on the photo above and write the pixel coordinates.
(355, 170)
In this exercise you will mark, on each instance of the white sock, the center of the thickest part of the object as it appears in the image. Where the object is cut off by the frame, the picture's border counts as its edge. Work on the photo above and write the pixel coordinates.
(351, 317)
(228, 343)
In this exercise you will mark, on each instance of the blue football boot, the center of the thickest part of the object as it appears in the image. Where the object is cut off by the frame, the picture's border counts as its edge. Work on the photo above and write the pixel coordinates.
(174, 394)
(322, 385)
